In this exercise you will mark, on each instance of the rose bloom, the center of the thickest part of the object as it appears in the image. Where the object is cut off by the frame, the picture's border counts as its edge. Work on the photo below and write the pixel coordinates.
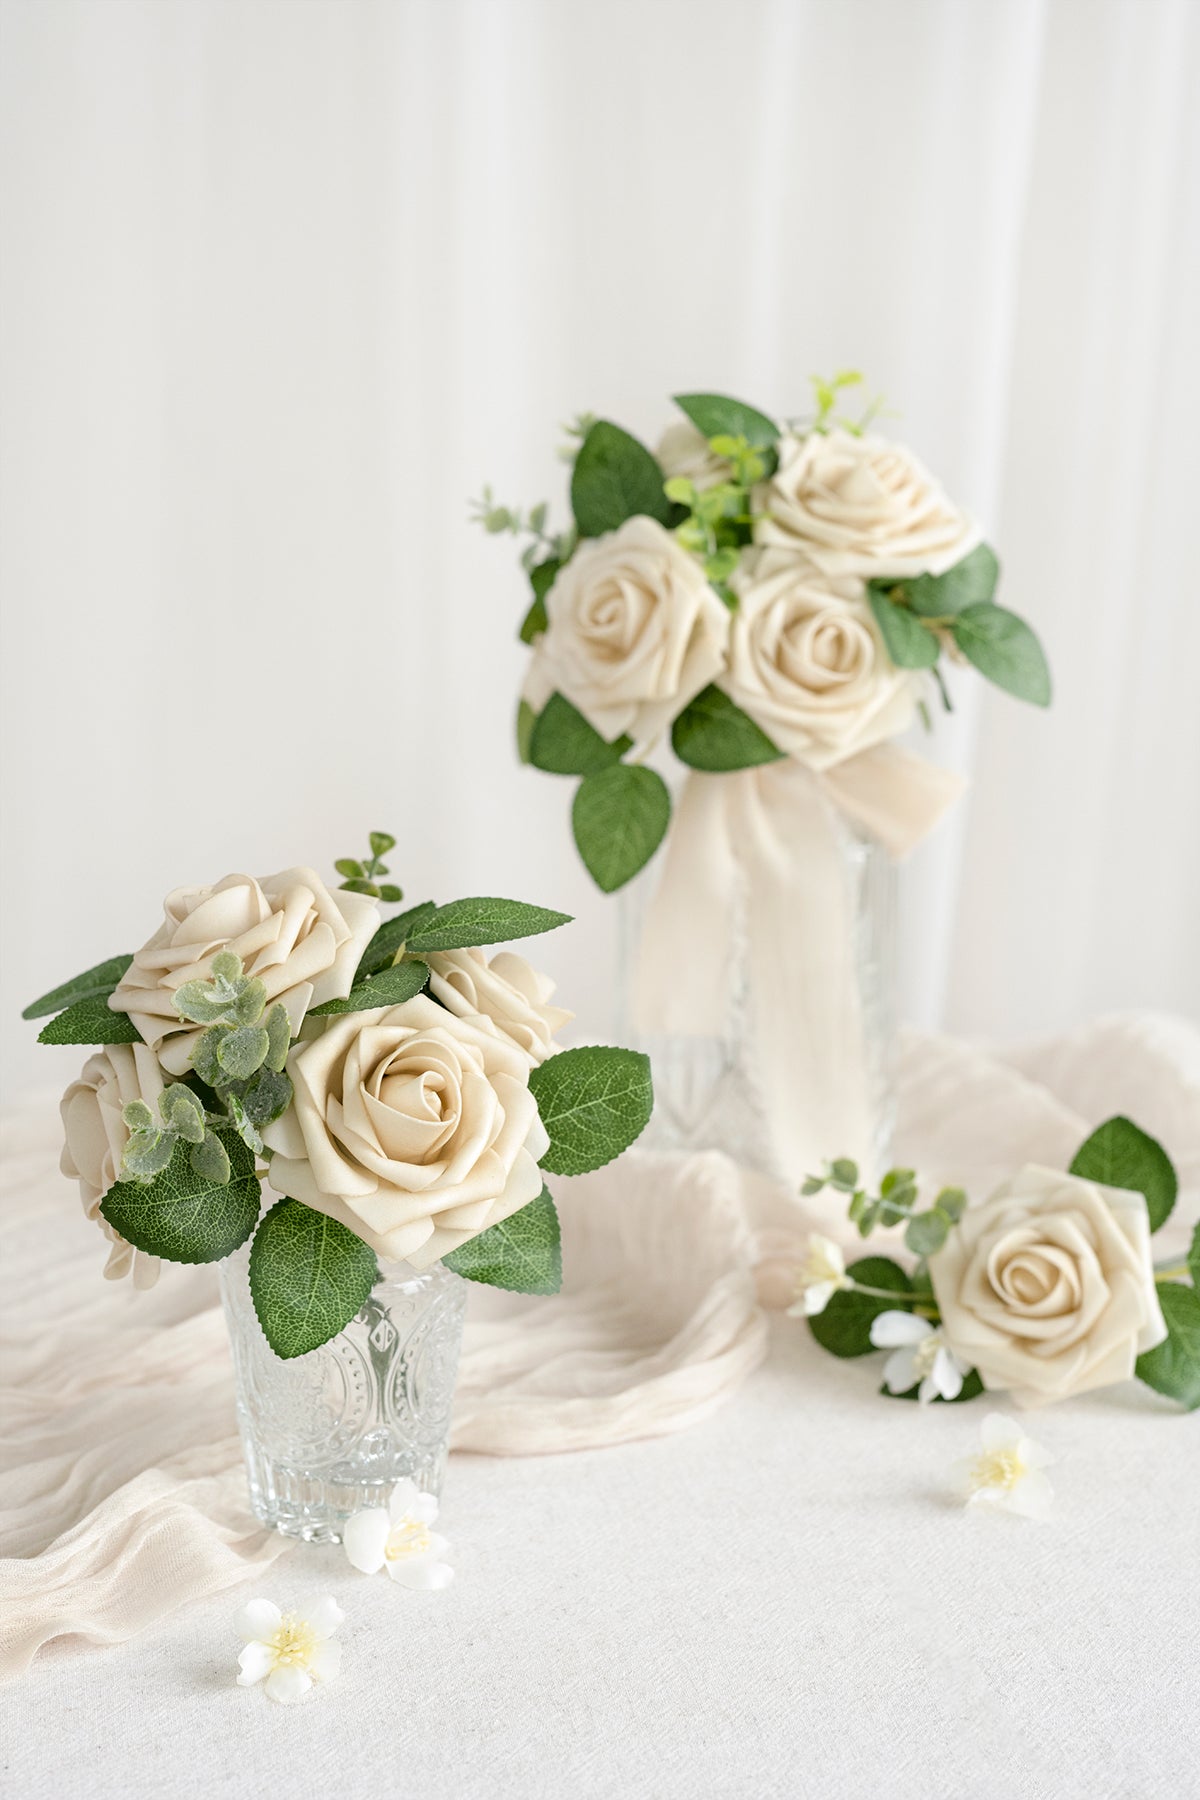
(95, 1136)
(808, 663)
(413, 1127)
(505, 995)
(861, 506)
(300, 940)
(1048, 1287)
(634, 632)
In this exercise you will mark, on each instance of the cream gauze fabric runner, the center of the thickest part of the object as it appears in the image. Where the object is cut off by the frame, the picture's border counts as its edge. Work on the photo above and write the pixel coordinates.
(122, 1495)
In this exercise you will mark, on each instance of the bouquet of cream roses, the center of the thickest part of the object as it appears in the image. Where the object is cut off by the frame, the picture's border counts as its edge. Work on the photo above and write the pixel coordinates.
(1046, 1289)
(757, 590)
(399, 1091)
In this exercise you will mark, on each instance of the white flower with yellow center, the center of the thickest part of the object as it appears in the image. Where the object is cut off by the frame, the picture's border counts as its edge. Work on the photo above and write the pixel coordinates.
(1007, 1472)
(920, 1353)
(288, 1651)
(819, 1277)
(397, 1538)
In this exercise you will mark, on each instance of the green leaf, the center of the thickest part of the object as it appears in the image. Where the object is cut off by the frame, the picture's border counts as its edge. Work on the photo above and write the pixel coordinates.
(267, 1097)
(209, 1160)
(541, 579)
(593, 1101)
(926, 1233)
(614, 479)
(971, 1389)
(844, 1327)
(182, 1216)
(90, 1022)
(147, 1151)
(309, 1276)
(361, 887)
(346, 865)
(243, 1124)
(182, 1111)
(381, 842)
(713, 733)
(843, 1173)
(526, 720)
(563, 743)
(279, 1036)
(1005, 650)
(390, 938)
(523, 1252)
(242, 1052)
(391, 893)
(1173, 1367)
(953, 1202)
(465, 923)
(93, 984)
(715, 415)
(390, 987)
(1193, 1259)
(619, 817)
(1120, 1154)
(908, 643)
(971, 582)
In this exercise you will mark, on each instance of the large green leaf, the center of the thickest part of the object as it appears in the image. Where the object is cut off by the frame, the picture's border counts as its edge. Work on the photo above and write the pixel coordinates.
(90, 1022)
(184, 1217)
(1120, 1154)
(614, 479)
(392, 986)
(593, 1101)
(309, 1276)
(465, 923)
(1193, 1259)
(909, 644)
(1005, 649)
(716, 415)
(523, 1252)
(563, 743)
(93, 984)
(388, 939)
(971, 582)
(1173, 1367)
(715, 734)
(619, 817)
(844, 1327)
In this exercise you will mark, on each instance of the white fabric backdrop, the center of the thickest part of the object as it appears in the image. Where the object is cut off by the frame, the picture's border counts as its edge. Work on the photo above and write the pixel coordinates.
(286, 280)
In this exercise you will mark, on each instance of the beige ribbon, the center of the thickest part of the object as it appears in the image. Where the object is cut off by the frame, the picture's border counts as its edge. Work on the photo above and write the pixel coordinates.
(750, 937)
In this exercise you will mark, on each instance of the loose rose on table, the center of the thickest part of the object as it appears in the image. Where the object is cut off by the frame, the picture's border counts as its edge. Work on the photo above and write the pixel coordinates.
(757, 590)
(399, 1091)
(1047, 1289)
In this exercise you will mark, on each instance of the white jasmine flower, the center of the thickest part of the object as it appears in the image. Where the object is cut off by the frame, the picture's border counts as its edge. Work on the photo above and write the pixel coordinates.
(290, 1650)
(920, 1353)
(819, 1277)
(1008, 1470)
(398, 1538)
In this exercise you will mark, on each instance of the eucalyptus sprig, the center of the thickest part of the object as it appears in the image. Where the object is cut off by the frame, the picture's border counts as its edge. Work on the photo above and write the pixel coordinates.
(151, 1142)
(925, 1229)
(720, 517)
(240, 1055)
(360, 877)
(543, 545)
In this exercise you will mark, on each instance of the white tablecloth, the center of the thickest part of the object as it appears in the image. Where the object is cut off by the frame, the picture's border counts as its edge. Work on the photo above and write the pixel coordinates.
(781, 1601)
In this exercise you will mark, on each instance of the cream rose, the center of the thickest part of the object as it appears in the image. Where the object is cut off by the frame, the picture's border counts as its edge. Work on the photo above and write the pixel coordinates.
(300, 940)
(634, 632)
(1048, 1287)
(415, 1128)
(807, 662)
(861, 506)
(95, 1136)
(505, 995)
(683, 450)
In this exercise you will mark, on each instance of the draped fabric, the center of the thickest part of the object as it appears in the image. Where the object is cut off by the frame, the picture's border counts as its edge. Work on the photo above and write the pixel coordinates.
(284, 284)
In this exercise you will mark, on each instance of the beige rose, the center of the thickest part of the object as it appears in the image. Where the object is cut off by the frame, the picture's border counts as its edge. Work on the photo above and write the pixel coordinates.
(415, 1128)
(95, 1137)
(505, 995)
(300, 940)
(634, 632)
(861, 506)
(807, 662)
(683, 450)
(1048, 1287)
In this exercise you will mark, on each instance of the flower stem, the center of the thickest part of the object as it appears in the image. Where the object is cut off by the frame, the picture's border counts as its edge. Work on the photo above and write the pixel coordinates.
(1168, 1271)
(918, 1296)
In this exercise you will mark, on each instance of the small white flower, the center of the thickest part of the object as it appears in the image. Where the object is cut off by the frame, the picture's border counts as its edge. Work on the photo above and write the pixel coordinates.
(291, 1650)
(398, 1538)
(1008, 1471)
(819, 1277)
(920, 1353)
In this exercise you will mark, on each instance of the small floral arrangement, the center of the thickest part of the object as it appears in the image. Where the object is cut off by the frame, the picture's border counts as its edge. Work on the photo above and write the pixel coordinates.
(1047, 1289)
(399, 1090)
(759, 590)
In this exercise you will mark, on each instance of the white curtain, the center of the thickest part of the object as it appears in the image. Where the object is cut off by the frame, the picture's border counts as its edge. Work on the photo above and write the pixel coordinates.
(285, 281)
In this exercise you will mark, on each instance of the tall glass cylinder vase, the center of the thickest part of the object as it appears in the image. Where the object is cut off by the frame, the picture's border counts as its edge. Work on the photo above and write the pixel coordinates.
(330, 1433)
(789, 1058)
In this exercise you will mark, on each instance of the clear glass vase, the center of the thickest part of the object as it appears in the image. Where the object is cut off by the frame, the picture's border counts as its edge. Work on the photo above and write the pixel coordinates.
(330, 1433)
(709, 1089)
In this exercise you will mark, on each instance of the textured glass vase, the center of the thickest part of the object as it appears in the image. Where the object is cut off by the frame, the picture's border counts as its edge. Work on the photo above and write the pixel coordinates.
(330, 1433)
(709, 1090)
